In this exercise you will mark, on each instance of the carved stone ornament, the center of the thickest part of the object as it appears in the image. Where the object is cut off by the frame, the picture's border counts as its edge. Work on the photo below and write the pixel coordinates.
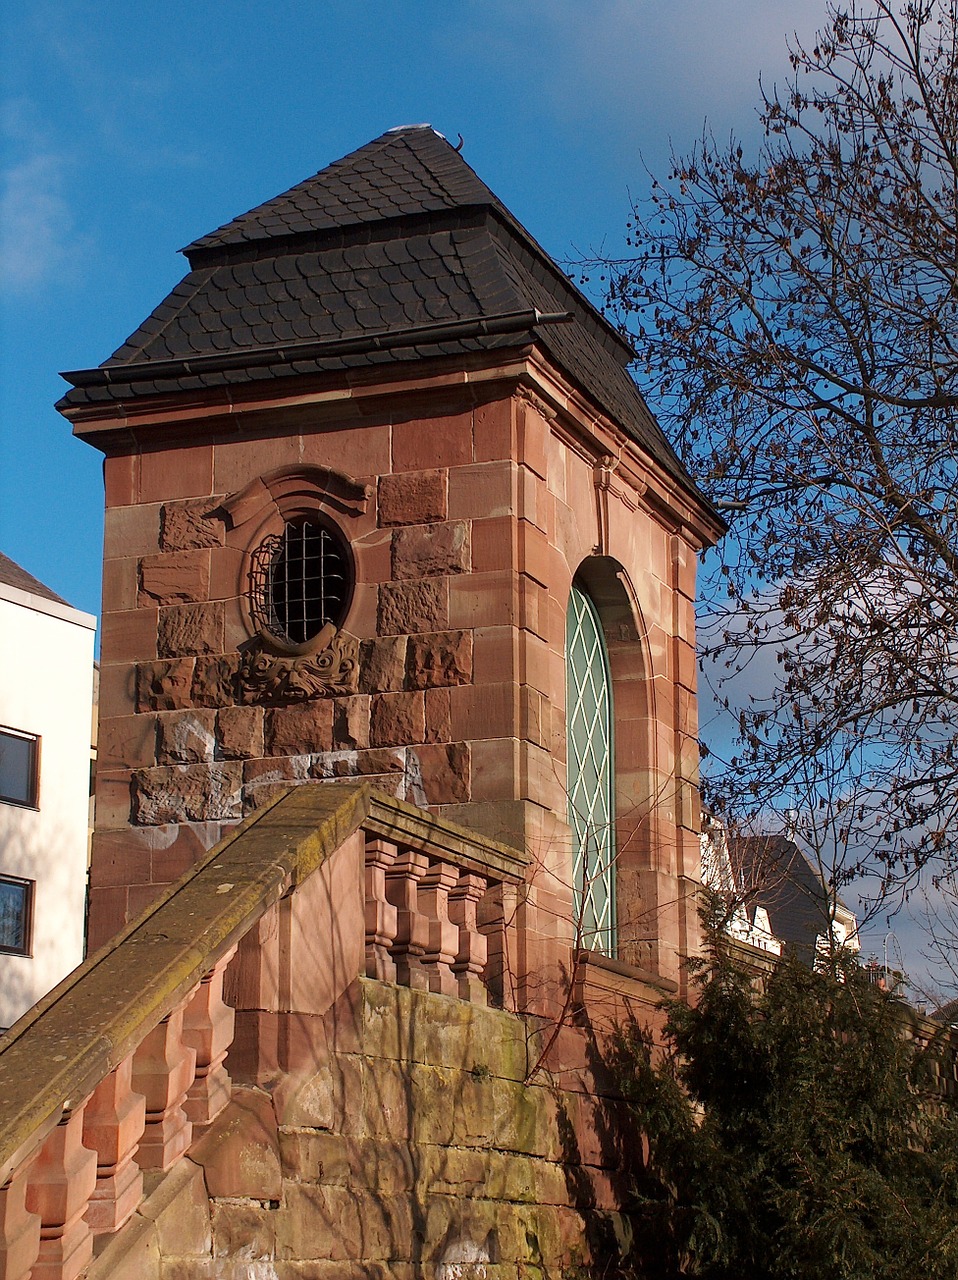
(268, 676)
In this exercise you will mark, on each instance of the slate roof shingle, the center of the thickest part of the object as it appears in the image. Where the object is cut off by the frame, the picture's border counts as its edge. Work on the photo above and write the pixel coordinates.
(397, 252)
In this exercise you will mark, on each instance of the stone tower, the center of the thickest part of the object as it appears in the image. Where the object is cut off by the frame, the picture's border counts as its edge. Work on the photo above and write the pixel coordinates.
(375, 473)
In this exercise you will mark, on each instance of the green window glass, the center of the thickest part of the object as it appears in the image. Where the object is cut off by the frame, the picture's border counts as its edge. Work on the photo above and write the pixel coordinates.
(590, 774)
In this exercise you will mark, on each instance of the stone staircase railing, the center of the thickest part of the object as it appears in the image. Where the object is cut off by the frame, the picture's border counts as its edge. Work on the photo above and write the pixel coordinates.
(111, 1074)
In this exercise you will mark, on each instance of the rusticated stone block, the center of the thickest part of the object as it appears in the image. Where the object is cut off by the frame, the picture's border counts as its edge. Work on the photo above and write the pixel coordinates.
(214, 680)
(415, 497)
(445, 772)
(405, 607)
(185, 737)
(351, 722)
(300, 729)
(438, 715)
(264, 779)
(164, 686)
(397, 720)
(190, 628)
(441, 659)
(187, 793)
(382, 665)
(174, 579)
(239, 732)
(427, 550)
(185, 525)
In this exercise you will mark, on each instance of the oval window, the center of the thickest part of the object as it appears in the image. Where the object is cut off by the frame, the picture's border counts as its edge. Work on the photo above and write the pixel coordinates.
(301, 581)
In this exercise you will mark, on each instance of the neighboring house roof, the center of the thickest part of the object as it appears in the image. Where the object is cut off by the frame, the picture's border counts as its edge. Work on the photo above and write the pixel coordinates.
(397, 252)
(800, 905)
(12, 575)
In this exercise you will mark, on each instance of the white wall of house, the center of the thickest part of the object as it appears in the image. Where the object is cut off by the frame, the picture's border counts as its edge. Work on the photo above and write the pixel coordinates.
(46, 689)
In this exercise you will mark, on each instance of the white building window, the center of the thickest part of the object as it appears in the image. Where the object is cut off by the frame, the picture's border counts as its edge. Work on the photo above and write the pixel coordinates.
(16, 915)
(19, 767)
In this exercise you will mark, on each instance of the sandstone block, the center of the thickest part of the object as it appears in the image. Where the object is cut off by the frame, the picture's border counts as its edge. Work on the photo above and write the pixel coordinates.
(174, 579)
(240, 1153)
(351, 722)
(413, 497)
(426, 551)
(186, 793)
(397, 719)
(185, 737)
(126, 742)
(382, 665)
(190, 629)
(438, 715)
(300, 729)
(405, 607)
(186, 525)
(214, 680)
(164, 686)
(445, 772)
(239, 732)
(440, 659)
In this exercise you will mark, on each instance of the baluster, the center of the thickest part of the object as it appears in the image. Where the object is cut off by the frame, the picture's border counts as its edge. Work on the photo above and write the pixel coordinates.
(163, 1069)
(208, 1029)
(473, 948)
(495, 915)
(59, 1185)
(113, 1123)
(443, 938)
(412, 927)
(19, 1228)
(381, 915)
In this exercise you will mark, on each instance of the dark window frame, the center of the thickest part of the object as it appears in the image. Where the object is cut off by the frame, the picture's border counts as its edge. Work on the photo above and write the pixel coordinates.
(26, 916)
(32, 801)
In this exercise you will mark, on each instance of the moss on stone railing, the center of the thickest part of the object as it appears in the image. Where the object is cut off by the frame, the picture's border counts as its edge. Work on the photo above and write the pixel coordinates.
(145, 1013)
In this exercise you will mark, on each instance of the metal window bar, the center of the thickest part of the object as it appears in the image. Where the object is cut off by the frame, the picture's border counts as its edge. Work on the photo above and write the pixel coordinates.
(590, 774)
(299, 582)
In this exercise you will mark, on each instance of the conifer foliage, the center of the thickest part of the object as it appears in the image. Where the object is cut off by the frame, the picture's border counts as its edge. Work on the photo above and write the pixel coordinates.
(791, 1134)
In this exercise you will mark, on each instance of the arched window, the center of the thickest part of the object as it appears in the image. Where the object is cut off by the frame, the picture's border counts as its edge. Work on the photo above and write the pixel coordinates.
(590, 774)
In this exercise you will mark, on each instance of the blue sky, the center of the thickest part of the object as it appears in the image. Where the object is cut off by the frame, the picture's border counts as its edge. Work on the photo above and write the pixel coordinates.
(128, 130)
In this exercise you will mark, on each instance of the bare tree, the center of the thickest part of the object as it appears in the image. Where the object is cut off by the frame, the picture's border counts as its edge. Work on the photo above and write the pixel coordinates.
(796, 319)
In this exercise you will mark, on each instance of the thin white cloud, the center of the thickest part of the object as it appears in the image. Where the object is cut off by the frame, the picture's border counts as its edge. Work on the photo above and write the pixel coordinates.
(36, 226)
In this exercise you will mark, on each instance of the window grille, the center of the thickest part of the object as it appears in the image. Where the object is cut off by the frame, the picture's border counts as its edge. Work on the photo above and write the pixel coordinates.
(590, 774)
(300, 581)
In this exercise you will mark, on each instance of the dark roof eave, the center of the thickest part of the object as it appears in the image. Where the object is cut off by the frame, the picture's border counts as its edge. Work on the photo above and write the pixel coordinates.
(289, 352)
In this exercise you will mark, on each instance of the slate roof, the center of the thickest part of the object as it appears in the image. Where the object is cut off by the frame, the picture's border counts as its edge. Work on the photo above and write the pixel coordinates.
(12, 575)
(788, 886)
(396, 253)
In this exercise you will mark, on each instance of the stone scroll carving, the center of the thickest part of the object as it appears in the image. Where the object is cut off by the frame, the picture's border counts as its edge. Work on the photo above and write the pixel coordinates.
(267, 677)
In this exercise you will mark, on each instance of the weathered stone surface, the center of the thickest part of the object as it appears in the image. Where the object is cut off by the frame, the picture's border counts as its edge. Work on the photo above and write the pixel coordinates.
(351, 722)
(445, 771)
(413, 497)
(187, 793)
(382, 666)
(185, 525)
(190, 629)
(426, 550)
(397, 720)
(214, 680)
(441, 659)
(163, 685)
(174, 579)
(240, 1153)
(300, 729)
(405, 607)
(239, 732)
(185, 737)
(438, 715)
(264, 780)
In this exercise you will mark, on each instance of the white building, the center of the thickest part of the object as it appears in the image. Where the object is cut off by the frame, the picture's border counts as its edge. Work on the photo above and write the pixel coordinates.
(46, 698)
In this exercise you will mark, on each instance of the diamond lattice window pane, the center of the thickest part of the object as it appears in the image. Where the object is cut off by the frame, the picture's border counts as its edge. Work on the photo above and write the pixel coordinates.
(590, 774)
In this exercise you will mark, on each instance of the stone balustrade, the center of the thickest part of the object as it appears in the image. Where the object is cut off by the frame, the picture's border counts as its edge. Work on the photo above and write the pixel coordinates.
(114, 1073)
